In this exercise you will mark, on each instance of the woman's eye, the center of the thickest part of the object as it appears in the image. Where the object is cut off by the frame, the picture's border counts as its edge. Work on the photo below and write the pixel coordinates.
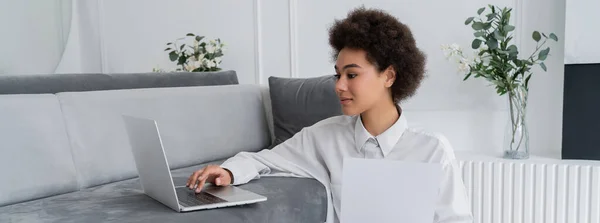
(351, 76)
(337, 76)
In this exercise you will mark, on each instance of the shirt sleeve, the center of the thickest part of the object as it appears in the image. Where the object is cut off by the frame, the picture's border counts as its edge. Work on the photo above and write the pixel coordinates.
(453, 205)
(296, 157)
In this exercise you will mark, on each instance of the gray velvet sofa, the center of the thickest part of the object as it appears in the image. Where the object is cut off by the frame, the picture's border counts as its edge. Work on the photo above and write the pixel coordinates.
(65, 155)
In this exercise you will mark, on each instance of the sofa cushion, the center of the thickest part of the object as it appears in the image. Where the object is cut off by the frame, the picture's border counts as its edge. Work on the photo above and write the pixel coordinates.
(197, 124)
(288, 200)
(36, 156)
(301, 102)
(38, 84)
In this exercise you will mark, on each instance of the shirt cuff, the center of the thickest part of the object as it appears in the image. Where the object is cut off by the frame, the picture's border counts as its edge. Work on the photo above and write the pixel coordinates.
(235, 172)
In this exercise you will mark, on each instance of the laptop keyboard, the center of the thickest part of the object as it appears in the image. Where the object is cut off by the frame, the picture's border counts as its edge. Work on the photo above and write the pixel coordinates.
(190, 198)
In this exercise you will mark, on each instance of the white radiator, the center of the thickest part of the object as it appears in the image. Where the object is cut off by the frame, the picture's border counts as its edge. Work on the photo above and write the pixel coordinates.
(513, 192)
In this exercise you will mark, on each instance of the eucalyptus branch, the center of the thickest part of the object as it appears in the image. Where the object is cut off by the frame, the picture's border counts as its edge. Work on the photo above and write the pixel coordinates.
(497, 60)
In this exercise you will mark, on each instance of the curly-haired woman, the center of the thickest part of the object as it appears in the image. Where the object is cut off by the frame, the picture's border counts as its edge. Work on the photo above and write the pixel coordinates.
(378, 65)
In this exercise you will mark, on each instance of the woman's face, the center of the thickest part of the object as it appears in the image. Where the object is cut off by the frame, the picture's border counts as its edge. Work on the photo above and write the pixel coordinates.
(360, 86)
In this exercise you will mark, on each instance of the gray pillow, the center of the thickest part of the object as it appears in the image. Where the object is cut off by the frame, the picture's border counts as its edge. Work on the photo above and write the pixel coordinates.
(301, 102)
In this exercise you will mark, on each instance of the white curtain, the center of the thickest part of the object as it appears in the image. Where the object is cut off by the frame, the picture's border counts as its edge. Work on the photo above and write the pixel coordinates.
(83, 52)
(34, 35)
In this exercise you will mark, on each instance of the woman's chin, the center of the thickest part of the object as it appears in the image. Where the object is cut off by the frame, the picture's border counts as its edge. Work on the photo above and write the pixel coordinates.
(350, 111)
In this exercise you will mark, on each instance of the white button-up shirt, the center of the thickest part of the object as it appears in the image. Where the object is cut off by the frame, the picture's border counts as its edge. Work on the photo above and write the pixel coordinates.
(318, 151)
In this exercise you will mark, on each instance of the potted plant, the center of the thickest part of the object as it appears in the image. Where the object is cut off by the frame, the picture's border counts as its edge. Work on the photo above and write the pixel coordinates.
(192, 54)
(496, 58)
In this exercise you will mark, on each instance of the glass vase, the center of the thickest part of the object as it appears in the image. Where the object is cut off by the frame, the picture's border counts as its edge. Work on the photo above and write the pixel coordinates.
(516, 138)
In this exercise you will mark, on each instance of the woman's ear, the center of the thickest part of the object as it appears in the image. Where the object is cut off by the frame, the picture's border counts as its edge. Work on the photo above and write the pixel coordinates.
(390, 75)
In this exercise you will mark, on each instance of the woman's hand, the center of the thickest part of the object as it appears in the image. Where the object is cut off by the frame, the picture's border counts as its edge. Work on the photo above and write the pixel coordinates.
(211, 174)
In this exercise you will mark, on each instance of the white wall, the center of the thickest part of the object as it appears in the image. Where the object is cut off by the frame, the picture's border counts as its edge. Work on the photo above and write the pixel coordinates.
(134, 32)
(582, 43)
(289, 39)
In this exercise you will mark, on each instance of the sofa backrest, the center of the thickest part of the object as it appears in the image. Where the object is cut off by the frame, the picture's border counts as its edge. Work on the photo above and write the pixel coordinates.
(197, 124)
(55, 83)
(36, 157)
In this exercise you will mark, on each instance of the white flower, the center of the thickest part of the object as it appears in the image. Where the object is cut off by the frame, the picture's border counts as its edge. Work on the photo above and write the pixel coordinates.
(451, 50)
(464, 68)
(189, 67)
(446, 49)
(218, 60)
(197, 64)
(463, 65)
(210, 49)
(211, 64)
(455, 47)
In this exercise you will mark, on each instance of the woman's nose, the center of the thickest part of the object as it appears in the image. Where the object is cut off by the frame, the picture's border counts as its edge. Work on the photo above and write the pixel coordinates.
(341, 84)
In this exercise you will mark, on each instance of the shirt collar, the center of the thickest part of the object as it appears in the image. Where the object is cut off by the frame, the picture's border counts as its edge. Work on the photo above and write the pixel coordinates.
(387, 140)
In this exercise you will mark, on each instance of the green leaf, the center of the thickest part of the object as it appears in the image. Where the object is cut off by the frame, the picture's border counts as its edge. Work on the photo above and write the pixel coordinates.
(527, 80)
(182, 60)
(491, 16)
(492, 44)
(544, 35)
(498, 35)
(553, 36)
(480, 11)
(173, 56)
(168, 49)
(509, 28)
(536, 36)
(477, 26)
(543, 54)
(543, 66)
(169, 44)
(518, 63)
(528, 62)
(476, 43)
(190, 34)
(512, 49)
(514, 77)
(487, 26)
(469, 20)
(467, 76)
(198, 38)
(182, 45)
(479, 34)
(498, 83)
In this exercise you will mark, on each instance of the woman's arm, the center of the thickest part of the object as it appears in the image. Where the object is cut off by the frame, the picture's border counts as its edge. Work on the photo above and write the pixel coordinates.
(296, 157)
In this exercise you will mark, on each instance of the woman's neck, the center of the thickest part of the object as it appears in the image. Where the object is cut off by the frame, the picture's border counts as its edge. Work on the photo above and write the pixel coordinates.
(380, 118)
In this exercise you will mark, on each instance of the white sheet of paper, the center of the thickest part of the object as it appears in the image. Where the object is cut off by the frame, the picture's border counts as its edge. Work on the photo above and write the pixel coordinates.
(375, 190)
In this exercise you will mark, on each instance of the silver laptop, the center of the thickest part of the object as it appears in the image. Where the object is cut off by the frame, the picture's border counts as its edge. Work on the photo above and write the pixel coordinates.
(156, 180)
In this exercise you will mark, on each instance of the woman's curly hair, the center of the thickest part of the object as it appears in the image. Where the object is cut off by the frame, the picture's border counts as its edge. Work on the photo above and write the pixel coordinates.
(386, 42)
